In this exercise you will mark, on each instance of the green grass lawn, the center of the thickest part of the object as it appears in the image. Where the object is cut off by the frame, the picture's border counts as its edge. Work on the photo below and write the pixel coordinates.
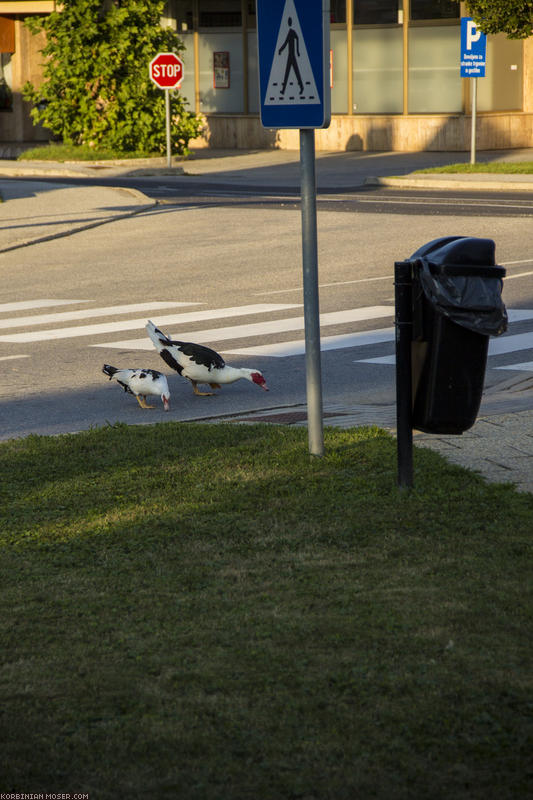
(500, 167)
(65, 152)
(208, 612)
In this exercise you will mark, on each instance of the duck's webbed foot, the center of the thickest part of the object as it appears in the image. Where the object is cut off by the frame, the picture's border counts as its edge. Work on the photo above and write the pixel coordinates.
(141, 399)
(198, 392)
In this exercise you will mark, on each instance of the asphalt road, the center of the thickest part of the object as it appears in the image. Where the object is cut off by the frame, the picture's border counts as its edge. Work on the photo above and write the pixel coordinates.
(352, 197)
(226, 270)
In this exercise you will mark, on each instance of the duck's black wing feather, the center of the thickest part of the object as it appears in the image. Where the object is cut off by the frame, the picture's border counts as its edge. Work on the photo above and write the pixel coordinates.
(170, 361)
(201, 354)
(125, 386)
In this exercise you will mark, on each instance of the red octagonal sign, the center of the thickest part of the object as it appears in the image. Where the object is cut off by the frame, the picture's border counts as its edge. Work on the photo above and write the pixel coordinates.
(166, 70)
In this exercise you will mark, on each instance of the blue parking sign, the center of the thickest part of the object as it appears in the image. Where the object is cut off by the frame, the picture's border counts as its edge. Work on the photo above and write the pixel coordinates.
(473, 50)
(293, 50)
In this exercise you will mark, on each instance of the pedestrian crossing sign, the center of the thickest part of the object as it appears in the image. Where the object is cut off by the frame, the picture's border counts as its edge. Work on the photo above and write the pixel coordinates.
(293, 49)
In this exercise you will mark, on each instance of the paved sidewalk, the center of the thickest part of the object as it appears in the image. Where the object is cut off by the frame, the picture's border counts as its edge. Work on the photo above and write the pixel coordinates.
(500, 444)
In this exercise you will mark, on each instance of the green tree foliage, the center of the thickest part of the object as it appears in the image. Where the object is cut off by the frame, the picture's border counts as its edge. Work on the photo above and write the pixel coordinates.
(97, 89)
(513, 17)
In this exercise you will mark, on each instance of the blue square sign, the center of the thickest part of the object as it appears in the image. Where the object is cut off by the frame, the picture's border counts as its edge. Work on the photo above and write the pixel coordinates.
(293, 49)
(473, 50)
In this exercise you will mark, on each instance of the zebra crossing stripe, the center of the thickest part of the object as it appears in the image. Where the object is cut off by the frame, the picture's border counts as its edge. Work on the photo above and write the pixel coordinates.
(139, 323)
(261, 329)
(525, 366)
(88, 313)
(26, 305)
(297, 348)
(500, 346)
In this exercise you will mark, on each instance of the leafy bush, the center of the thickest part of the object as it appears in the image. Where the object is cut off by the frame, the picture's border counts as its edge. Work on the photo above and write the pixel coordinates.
(512, 17)
(96, 90)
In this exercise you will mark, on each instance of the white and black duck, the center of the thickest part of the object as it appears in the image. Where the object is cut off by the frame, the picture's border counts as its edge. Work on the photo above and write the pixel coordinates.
(200, 364)
(142, 383)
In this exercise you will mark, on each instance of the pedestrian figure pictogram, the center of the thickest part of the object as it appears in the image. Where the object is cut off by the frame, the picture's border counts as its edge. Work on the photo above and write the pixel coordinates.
(291, 79)
(292, 44)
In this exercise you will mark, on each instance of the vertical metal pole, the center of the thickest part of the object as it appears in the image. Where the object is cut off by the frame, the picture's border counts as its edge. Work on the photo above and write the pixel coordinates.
(403, 293)
(310, 285)
(474, 122)
(167, 115)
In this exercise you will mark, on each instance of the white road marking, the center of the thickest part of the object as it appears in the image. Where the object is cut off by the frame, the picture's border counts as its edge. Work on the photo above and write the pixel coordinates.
(25, 305)
(296, 348)
(259, 329)
(510, 344)
(497, 347)
(519, 314)
(88, 313)
(526, 366)
(328, 285)
(133, 324)
(9, 358)
(520, 275)
(390, 278)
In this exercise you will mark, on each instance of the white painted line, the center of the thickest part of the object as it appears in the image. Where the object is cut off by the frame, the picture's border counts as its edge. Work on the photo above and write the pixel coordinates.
(522, 261)
(328, 285)
(526, 366)
(510, 344)
(519, 314)
(133, 324)
(9, 358)
(88, 313)
(380, 360)
(259, 328)
(520, 275)
(297, 348)
(497, 346)
(25, 305)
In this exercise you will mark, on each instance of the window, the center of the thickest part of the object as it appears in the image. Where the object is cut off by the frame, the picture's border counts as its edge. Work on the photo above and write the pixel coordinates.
(180, 11)
(216, 15)
(375, 12)
(338, 11)
(434, 75)
(434, 9)
(378, 70)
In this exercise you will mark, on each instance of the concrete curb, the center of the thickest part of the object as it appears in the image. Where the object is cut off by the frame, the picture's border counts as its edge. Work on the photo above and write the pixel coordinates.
(78, 171)
(453, 182)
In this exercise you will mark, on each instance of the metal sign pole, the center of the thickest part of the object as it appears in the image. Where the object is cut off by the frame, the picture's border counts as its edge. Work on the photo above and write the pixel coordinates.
(167, 116)
(310, 286)
(474, 122)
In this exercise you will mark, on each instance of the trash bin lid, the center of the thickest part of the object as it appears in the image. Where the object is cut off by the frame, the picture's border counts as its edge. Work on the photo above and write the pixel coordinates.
(459, 279)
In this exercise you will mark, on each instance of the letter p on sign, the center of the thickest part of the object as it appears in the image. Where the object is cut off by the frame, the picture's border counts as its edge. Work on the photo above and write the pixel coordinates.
(472, 34)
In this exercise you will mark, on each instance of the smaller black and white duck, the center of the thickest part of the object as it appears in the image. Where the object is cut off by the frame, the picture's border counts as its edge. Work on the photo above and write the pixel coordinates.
(200, 364)
(142, 383)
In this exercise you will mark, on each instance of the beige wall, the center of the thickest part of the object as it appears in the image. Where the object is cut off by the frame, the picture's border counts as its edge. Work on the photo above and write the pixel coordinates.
(528, 74)
(495, 131)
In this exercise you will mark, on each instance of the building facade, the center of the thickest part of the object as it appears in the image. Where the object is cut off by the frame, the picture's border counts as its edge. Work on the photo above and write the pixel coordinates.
(394, 74)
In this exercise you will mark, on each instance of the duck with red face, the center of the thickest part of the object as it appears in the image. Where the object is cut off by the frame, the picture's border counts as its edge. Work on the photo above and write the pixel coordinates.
(200, 364)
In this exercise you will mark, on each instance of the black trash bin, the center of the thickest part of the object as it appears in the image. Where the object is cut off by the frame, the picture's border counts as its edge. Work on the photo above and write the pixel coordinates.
(457, 306)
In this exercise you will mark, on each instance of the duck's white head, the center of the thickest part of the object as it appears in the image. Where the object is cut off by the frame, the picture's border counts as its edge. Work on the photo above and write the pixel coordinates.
(166, 401)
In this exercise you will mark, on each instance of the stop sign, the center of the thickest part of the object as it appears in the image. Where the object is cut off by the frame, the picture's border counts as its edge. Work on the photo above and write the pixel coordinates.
(166, 70)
